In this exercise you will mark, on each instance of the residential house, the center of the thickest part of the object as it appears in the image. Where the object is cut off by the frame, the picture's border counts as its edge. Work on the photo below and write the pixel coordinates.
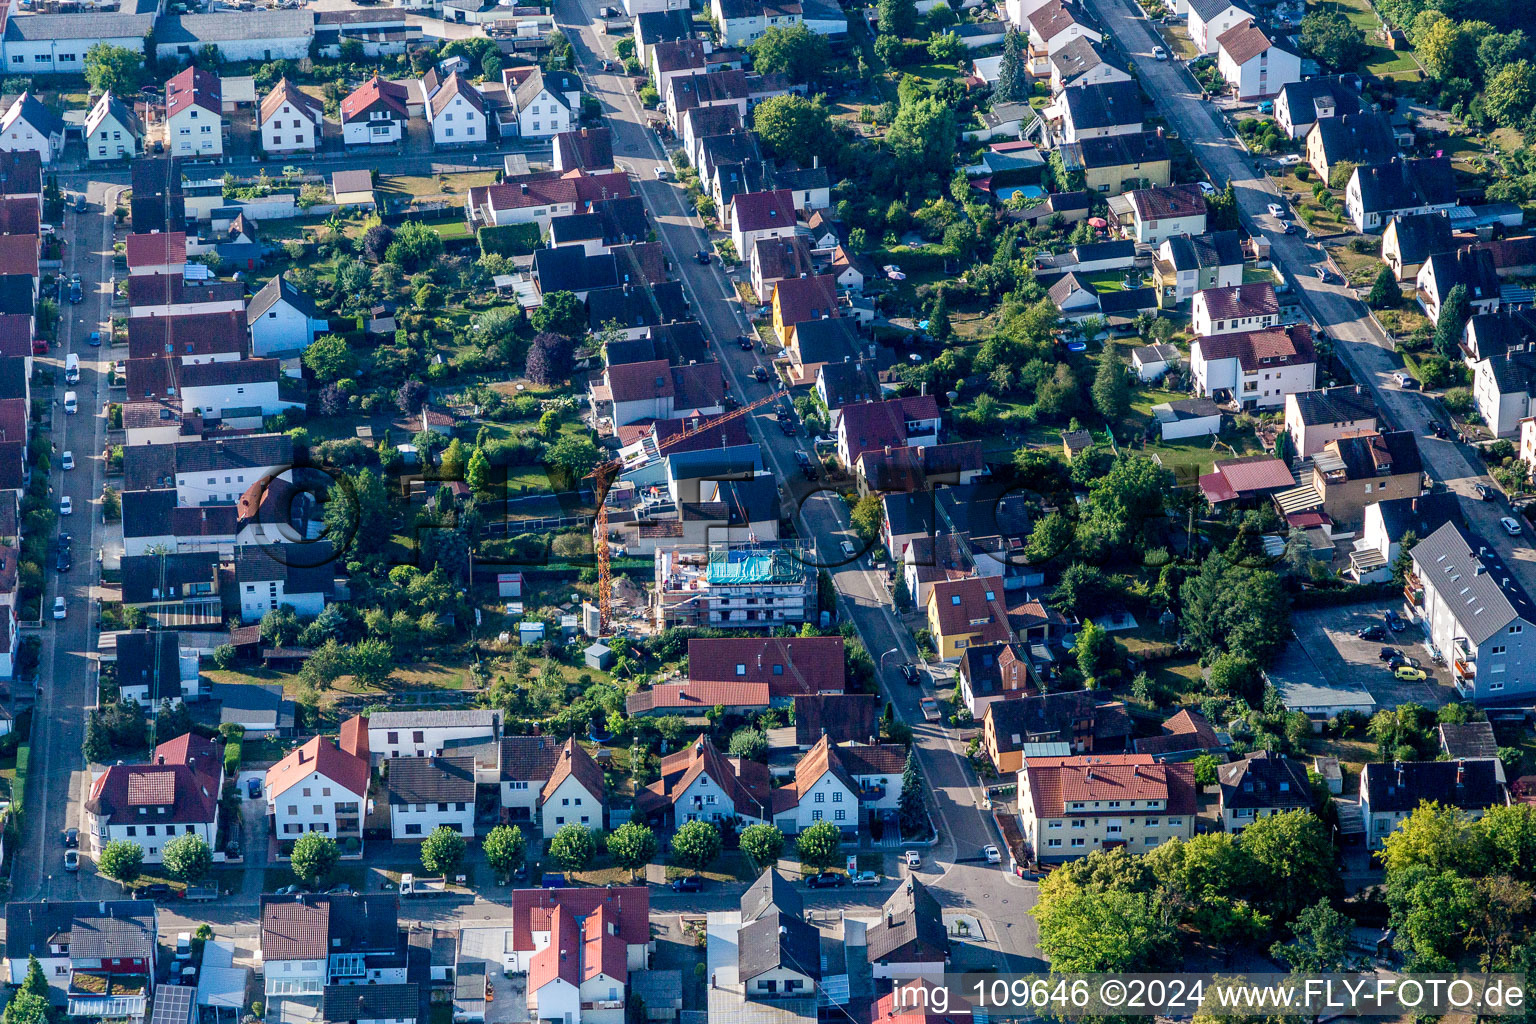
(670, 60)
(790, 666)
(427, 733)
(152, 670)
(1388, 522)
(582, 974)
(112, 130)
(455, 109)
(1470, 741)
(313, 941)
(173, 296)
(1254, 67)
(589, 150)
(910, 939)
(698, 783)
(1410, 239)
(28, 126)
(1502, 388)
(696, 700)
(839, 385)
(161, 252)
(1162, 213)
(757, 215)
(1233, 309)
(371, 1004)
(1261, 784)
(993, 672)
(1399, 188)
(1083, 62)
(321, 787)
(1079, 718)
(1208, 19)
(818, 342)
(1302, 104)
(1470, 267)
(239, 392)
(1054, 25)
(965, 612)
(97, 956)
(742, 22)
(656, 390)
(1070, 807)
(191, 339)
(375, 113)
(1476, 612)
(799, 300)
(898, 422)
(175, 794)
(654, 27)
(171, 585)
(553, 784)
(1390, 792)
(1186, 735)
(291, 121)
(1099, 111)
(536, 198)
(761, 586)
(837, 717)
(919, 468)
(775, 258)
(194, 114)
(207, 472)
(428, 793)
(840, 784)
(153, 523)
(1360, 139)
(1255, 368)
(1119, 163)
(546, 103)
(299, 576)
(1314, 418)
(1188, 263)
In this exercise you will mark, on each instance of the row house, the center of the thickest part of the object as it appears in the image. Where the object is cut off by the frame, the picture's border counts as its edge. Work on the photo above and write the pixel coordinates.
(98, 956)
(1013, 729)
(310, 941)
(698, 783)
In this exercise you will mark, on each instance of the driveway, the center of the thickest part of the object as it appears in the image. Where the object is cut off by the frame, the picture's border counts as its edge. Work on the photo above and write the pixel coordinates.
(1328, 636)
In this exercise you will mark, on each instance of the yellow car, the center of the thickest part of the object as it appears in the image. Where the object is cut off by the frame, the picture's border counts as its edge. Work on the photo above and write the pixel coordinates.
(1410, 673)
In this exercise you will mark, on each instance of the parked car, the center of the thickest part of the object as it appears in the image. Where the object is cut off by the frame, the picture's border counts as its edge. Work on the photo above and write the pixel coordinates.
(1511, 526)
(663, 174)
(993, 855)
(71, 838)
(1376, 633)
(827, 880)
(1402, 660)
(76, 293)
(788, 426)
(847, 548)
(1277, 211)
(60, 609)
(909, 674)
(66, 559)
(80, 204)
(912, 859)
(1439, 430)
(161, 891)
(253, 788)
(744, 343)
(866, 878)
(67, 461)
(66, 506)
(1158, 53)
(39, 346)
(1206, 188)
(688, 883)
(95, 339)
(1409, 673)
(71, 860)
(1289, 159)
(1395, 622)
(930, 709)
(702, 256)
(1389, 654)
(760, 373)
(1405, 381)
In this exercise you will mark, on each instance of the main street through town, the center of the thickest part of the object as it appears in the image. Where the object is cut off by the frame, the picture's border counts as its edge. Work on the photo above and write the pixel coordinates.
(1360, 343)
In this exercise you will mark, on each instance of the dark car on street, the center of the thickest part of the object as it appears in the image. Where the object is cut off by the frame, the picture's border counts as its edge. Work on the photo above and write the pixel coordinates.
(688, 883)
(1484, 492)
(744, 342)
(1388, 653)
(827, 880)
(1377, 633)
(702, 256)
(153, 891)
(760, 373)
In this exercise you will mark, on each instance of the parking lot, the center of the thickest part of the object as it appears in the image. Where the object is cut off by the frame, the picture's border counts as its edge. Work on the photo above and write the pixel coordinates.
(1328, 636)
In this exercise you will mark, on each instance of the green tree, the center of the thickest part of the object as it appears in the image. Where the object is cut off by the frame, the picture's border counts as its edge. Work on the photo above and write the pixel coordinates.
(1436, 836)
(819, 845)
(329, 358)
(315, 855)
(27, 1008)
(1447, 50)
(504, 848)
(1235, 608)
(911, 809)
(114, 69)
(1089, 929)
(1293, 860)
(763, 843)
(35, 983)
(1385, 291)
(187, 858)
(945, 46)
(922, 136)
(1454, 313)
(1320, 941)
(560, 312)
(696, 845)
(453, 461)
(371, 661)
(479, 475)
(442, 851)
(97, 747)
(794, 51)
(1111, 391)
(576, 455)
(1012, 76)
(897, 17)
(867, 516)
(792, 127)
(415, 246)
(120, 861)
(1235, 675)
(573, 847)
(1334, 40)
(632, 846)
(1207, 767)
(748, 743)
(1095, 650)
(1511, 93)
(1221, 214)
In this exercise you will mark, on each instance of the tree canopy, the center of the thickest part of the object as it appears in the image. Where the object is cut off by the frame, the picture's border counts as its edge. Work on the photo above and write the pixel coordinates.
(794, 51)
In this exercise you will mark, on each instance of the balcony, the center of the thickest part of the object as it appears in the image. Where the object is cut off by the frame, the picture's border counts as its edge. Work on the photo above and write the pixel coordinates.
(1463, 661)
(1413, 590)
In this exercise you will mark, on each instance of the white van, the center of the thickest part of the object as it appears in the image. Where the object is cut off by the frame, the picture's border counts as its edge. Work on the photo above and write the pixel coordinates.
(71, 403)
(72, 369)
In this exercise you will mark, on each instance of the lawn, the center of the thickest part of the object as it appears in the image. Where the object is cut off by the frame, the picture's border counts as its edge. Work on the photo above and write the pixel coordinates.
(1188, 459)
(1404, 320)
(1465, 151)
(450, 187)
(1383, 61)
(1360, 268)
(1179, 43)
(1308, 209)
(1108, 281)
(455, 229)
(1258, 275)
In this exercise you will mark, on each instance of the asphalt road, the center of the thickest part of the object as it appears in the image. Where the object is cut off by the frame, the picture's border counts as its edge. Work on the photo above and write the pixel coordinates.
(66, 674)
(1359, 342)
(823, 517)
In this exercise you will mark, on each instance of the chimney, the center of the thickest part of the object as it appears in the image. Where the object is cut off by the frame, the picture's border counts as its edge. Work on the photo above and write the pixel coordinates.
(101, 907)
(1461, 773)
(524, 187)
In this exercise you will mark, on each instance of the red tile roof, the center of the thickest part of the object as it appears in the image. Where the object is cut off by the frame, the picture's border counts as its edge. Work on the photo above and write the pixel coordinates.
(18, 254)
(699, 697)
(602, 951)
(1266, 347)
(1255, 299)
(1243, 42)
(1055, 782)
(1248, 475)
(540, 190)
(870, 425)
(759, 211)
(346, 767)
(1166, 203)
(164, 247)
(972, 605)
(195, 334)
(194, 87)
(789, 665)
(574, 761)
(562, 957)
(638, 382)
(801, 299)
(533, 908)
(374, 91)
(179, 785)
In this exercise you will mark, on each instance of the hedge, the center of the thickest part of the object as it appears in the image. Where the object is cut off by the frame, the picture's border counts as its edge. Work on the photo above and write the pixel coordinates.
(510, 239)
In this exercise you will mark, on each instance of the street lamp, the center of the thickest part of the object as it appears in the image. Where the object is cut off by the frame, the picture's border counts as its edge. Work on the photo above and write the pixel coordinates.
(881, 663)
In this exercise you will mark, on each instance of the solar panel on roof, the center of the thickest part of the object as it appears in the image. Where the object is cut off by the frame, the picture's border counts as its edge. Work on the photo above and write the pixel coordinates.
(173, 1005)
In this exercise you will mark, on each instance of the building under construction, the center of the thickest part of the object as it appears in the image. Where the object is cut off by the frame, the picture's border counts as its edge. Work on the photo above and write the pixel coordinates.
(753, 585)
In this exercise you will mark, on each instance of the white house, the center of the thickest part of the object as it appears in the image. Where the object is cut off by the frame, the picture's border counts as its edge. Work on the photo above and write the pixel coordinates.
(1472, 268)
(1390, 792)
(1257, 368)
(1378, 193)
(194, 114)
(910, 940)
(30, 127)
(428, 793)
(291, 120)
(1082, 62)
(635, 8)
(741, 22)
(285, 576)
(1502, 387)
(239, 392)
(757, 215)
(283, 320)
(112, 130)
(1254, 67)
(1052, 26)
(832, 783)
(175, 794)
(1151, 362)
(1244, 307)
(153, 667)
(455, 109)
(545, 103)
(40, 43)
(1188, 263)
(575, 793)
(211, 472)
(321, 787)
(319, 944)
(428, 733)
(375, 113)
(1162, 213)
(582, 975)
(1208, 19)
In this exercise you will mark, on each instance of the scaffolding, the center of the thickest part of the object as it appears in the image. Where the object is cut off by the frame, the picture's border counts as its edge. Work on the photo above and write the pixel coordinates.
(755, 565)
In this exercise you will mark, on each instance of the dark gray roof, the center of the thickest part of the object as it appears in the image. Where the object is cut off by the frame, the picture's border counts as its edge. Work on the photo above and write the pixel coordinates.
(1403, 785)
(778, 940)
(1489, 596)
(1497, 333)
(1422, 515)
(1405, 184)
(1104, 105)
(1213, 249)
(1208, 9)
(848, 382)
(448, 718)
(138, 665)
(771, 891)
(344, 1003)
(197, 29)
(1359, 138)
(253, 702)
(1301, 97)
(825, 341)
(280, 287)
(1469, 740)
(166, 577)
(909, 512)
(1115, 150)
(64, 27)
(1420, 235)
(304, 568)
(31, 110)
(1470, 267)
(1265, 780)
(911, 929)
(430, 780)
(1080, 55)
(113, 929)
(657, 26)
(1090, 252)
(573, 227)
(1344, 404)
(1049, 716)
(569, 268)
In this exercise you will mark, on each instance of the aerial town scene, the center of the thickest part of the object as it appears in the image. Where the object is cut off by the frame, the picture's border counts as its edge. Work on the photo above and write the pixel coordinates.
(735, 512)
